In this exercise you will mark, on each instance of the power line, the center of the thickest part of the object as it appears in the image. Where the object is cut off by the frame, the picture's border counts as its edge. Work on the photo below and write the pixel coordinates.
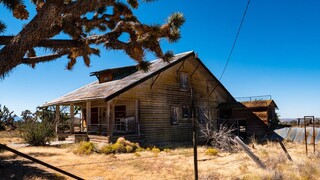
(235, 40)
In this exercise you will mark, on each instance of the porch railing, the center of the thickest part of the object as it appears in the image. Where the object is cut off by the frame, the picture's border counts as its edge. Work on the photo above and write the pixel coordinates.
(125, 126)
(119, 127)
(97, 129)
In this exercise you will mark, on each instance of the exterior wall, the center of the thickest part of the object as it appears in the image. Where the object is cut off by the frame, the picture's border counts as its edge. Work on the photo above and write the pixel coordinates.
(258, 119)
(155, 102)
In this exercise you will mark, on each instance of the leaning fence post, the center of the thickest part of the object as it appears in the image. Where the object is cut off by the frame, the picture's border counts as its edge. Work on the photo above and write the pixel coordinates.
(285, 150)
(249, 152)
(2, 146)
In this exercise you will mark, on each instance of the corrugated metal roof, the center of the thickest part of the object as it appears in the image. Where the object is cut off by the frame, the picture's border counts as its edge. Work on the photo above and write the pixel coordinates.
(297, 134)
(108, 90)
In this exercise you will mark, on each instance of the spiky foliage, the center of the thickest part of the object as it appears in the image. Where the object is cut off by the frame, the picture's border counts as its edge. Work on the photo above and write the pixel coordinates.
(6, 118)
(110, 20)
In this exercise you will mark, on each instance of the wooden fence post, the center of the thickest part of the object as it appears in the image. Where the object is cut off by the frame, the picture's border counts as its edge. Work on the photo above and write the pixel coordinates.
(249, 152)
(285, 150)
(38, 161)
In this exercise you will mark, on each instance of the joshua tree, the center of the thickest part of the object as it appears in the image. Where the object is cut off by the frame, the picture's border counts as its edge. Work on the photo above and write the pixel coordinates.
(80, 19)
(6, 118)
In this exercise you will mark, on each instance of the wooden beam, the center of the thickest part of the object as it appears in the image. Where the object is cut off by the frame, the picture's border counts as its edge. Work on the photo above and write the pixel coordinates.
(180, 66)
(249, 152)
(108, 118)
(71, 118)
(137, 116)
(88, 117)
(194, 70)
(154, 80)
(112, 119)
(285, 150)
(81, 120)
(2, 146)
(57, 118)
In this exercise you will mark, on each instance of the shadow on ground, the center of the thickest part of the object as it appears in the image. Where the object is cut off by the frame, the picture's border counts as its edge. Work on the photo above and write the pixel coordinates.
(24, 169)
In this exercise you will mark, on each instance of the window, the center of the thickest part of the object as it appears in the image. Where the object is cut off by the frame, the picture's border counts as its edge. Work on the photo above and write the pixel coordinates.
(174, 115)
(203, 116)
(183, 81)
(186, 112)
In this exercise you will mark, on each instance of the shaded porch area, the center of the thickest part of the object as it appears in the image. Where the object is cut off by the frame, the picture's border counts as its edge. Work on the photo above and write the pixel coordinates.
(111, 119)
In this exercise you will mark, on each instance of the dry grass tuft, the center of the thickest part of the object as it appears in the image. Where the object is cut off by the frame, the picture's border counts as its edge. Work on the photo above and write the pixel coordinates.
(85, 148)
(211, 152)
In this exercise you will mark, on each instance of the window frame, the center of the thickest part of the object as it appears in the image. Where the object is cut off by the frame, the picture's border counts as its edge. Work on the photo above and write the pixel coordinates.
(184, 80)
(174, 115)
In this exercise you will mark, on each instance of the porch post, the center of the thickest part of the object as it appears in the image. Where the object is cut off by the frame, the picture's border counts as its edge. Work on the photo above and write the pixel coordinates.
(71, 118)
(111, 119)
(137, 116)
(88, 117)
(81, 120)
(108, 119)
(57, 118)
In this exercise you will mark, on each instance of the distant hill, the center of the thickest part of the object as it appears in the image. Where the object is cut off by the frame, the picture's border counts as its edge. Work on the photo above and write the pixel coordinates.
(288, 119)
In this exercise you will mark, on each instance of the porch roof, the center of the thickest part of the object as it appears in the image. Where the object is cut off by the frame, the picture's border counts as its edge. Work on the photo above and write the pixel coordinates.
(111, 89)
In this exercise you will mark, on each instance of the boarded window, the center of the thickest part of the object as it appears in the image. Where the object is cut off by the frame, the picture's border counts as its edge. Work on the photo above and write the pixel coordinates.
(183, 81)
(203, 116)
(174, 115)
(186, 112)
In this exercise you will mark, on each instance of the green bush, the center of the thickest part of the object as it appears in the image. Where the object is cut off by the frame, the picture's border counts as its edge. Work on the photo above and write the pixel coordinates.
(37, 133)
(107, 149)
(139, 149)
(137, 154)
(155, 150)
(211, 152)
(167, 150)
(85, 148)
(129, 149)
(121, 146)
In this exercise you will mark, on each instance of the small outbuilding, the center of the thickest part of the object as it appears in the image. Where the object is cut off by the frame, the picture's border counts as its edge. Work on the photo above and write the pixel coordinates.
(255, 117)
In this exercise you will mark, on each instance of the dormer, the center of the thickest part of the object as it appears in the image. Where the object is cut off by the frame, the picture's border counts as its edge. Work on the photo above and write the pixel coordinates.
(114, 74)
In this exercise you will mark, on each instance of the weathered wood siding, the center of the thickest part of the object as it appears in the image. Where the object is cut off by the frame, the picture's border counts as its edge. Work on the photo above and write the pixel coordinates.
(155, 102)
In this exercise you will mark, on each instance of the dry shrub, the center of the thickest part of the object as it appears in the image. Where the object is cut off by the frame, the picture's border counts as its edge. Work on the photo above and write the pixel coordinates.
(274, 175)
(309, 169)
(139, 149)
(243, 168)
(221, 139)
(85, 148)
(209, 176)
(137, 154)
(251, 176)
(155, 150)
(211, 152)
(167, 150)
(273, 162)
(121, 146)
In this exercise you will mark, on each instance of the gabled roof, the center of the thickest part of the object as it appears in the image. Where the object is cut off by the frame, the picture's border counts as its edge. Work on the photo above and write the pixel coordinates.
(111, 89)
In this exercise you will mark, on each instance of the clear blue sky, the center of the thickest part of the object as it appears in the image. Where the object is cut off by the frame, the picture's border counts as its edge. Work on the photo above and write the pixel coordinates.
(277, 53)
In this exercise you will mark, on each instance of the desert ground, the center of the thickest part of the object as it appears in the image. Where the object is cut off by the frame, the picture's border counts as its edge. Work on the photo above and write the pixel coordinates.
(173, 163)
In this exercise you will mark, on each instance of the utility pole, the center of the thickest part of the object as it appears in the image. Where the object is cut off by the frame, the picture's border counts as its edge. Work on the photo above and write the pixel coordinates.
(195, 153)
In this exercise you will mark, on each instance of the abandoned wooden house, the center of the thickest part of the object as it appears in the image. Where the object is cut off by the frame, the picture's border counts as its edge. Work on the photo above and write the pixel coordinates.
(153, 105)
(254, 117)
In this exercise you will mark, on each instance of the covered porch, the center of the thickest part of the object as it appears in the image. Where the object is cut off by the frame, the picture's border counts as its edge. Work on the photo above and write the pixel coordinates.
(117, 117)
